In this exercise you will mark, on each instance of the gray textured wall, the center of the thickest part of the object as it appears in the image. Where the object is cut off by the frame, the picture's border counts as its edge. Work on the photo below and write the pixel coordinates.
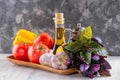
(36, 15)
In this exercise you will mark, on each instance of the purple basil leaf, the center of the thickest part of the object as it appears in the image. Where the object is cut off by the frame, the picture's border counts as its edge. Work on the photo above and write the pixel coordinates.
(91, 75)
(104, 72)
(95, 57)
(98, 39)
(88, 73)
(84, 67)
(81, 59)
(95, 67)
(97, 74)
(94, 39)
(73, 39)
(102, 57)
(104, 64)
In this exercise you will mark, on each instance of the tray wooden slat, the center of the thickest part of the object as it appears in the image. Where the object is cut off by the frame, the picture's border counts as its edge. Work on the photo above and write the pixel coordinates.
(42, 67)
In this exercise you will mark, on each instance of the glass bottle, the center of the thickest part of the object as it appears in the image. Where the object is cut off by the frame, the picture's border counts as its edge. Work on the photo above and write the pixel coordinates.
(59, 31)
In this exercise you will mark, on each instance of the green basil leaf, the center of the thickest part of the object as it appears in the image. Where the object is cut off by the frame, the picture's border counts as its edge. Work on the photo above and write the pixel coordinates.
(86, 57)
(94, 50)
(94, 44)
(73, 46)
(86, 35)
(102, 52)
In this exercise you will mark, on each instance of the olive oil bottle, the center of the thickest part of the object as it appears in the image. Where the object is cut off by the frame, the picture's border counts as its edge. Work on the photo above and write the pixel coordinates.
(59, 31)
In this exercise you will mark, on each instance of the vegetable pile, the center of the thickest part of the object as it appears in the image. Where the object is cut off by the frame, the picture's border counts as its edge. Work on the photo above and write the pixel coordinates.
(84, 52)
(31, 51)
(87, 53)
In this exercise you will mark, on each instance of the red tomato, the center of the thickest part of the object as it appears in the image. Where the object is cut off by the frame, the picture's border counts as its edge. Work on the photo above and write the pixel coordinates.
(19, 52)
(44, 38)
(36, 51)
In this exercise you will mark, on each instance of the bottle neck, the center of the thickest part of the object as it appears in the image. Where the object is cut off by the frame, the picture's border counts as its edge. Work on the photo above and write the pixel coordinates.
(59, 26)
(58, 22)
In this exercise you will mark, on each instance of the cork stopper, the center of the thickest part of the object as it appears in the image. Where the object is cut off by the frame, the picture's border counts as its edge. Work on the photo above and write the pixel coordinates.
(59, 16)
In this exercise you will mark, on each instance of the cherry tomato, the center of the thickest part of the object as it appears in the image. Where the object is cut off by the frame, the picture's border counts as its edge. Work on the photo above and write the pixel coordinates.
(20, 51)
(35, 51)
(44, 38)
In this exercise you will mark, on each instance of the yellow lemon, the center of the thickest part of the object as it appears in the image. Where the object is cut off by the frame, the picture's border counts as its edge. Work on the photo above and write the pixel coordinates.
(60, 49)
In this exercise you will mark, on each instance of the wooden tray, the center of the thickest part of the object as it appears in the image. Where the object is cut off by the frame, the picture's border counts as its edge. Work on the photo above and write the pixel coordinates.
(42, 67)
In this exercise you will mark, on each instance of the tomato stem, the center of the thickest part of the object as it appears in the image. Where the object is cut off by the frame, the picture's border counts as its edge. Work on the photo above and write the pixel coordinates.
(40, 47)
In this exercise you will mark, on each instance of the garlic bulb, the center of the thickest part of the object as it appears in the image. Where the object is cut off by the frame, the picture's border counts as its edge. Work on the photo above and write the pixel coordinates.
(45, 59)
(60, 60)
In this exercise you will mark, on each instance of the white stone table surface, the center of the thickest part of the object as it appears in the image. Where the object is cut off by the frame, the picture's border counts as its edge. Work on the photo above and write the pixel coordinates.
(10, 71)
